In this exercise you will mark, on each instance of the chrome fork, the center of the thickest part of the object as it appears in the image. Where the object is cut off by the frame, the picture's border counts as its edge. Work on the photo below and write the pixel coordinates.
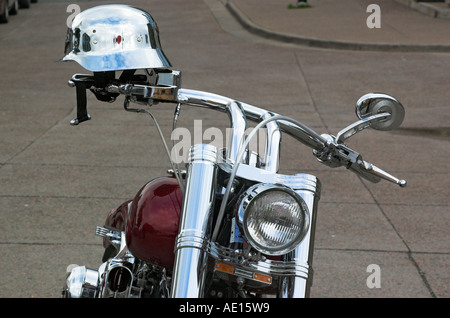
(190, 256)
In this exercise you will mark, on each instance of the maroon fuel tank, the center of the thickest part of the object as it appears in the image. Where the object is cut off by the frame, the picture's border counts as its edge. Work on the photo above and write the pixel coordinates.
(153, 221)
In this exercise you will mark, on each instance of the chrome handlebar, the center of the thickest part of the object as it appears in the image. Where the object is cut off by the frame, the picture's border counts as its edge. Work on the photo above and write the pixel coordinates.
(337, 153)
(328, 149)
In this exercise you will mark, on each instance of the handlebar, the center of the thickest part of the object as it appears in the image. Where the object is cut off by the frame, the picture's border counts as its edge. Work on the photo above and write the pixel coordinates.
(338, 153)
(328, 149)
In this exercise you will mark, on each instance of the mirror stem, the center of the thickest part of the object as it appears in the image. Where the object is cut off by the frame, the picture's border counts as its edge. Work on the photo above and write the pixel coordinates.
(354, 128)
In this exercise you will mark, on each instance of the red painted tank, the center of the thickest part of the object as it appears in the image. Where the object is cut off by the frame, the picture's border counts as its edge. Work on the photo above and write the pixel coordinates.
(153, 221)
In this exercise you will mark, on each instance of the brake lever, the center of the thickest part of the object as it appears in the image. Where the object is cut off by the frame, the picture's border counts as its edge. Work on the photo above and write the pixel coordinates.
(338, 154)
(369, 169)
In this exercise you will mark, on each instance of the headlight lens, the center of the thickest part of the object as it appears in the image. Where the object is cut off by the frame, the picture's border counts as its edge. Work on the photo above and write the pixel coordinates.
(273, 218)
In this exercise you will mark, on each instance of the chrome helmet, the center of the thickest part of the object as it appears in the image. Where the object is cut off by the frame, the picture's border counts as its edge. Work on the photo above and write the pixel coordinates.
(114, 38)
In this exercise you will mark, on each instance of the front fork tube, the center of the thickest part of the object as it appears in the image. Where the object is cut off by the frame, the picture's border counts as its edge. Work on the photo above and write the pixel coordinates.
(190, 256)
(299, 286)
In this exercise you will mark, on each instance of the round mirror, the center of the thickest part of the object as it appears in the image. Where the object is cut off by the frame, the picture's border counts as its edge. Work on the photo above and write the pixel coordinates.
(377, 103)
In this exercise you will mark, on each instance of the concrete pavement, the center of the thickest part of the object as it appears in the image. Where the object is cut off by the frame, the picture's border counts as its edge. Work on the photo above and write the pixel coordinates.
(58, 182)
(348, 24)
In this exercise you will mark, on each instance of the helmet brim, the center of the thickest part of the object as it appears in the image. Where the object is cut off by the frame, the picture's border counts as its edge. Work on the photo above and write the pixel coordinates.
(137, 59)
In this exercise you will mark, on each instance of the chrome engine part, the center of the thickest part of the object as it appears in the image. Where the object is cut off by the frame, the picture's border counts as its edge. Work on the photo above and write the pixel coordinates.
(122, 276)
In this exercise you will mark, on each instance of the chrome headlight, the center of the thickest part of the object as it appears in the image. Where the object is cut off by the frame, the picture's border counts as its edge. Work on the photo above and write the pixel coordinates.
(273, 218)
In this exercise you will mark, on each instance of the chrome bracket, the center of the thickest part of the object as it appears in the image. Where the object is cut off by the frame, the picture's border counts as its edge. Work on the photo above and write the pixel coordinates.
(113, 235)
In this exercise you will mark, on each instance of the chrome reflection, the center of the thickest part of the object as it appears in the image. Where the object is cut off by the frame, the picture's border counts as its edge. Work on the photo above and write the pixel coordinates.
(81, 282)
(115, 37)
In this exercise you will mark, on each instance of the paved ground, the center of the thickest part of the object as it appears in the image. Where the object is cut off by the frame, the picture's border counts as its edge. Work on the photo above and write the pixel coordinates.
(348, 24)
(58, 181)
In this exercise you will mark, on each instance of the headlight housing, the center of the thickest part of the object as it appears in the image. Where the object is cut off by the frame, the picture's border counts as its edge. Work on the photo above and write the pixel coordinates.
(273, 218)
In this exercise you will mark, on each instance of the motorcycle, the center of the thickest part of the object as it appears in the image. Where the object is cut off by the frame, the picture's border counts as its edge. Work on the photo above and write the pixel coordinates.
(229, 225)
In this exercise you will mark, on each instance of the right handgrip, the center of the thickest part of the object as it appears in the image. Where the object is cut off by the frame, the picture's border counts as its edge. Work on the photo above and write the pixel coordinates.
(338, 155)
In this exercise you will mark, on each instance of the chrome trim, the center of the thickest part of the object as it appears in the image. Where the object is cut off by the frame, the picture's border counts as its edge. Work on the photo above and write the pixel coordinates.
(273, 145)
(268, 267)
(114, 236)
(81, 282)
(299, 287)
(122, 264)
(111, 270)
(190, 259)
